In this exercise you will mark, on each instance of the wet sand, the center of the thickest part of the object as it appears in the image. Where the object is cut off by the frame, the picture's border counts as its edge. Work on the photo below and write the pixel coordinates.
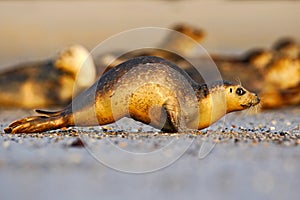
(242, 156)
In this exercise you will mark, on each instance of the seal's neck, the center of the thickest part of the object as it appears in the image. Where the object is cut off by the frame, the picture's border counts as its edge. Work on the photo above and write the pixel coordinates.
(212, 108)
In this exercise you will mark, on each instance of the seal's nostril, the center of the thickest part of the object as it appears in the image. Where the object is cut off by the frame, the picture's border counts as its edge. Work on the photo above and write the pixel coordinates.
(257, 97)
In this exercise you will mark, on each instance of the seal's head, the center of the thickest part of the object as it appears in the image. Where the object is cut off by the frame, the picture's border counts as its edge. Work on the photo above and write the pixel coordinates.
(282, 73)
(76, 60)
(288, 47)
(259, 58)
(183, 39)
(191, 31)
(238, 98)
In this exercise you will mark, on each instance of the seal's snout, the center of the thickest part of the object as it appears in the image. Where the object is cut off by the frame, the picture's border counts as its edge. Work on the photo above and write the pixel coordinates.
(257, 99)
(251, 100)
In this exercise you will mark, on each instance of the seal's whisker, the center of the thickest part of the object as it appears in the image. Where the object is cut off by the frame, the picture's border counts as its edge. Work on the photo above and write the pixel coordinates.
(238, 80)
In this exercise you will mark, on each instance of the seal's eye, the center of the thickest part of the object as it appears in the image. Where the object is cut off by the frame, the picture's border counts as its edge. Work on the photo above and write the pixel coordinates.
(240, 91)
(230, 90)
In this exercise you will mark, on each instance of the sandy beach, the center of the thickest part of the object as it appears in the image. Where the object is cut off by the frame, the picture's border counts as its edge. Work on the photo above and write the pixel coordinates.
(241, 156)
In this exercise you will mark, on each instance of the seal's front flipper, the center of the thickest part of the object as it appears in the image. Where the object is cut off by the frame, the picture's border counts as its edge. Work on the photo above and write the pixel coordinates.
(173, 123)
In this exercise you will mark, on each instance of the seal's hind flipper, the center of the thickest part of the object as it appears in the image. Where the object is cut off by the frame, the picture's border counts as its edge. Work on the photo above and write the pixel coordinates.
(27, 119)
(37, 124)
(17, 123)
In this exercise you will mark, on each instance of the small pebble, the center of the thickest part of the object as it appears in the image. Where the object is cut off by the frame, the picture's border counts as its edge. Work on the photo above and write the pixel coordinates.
(6, 144)
(77, 143)
(273, 122)
(122, 144)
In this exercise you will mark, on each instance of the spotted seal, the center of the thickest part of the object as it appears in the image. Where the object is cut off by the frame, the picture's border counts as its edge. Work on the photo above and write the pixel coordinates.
(183, 45)
(150, 90)
(47, 83)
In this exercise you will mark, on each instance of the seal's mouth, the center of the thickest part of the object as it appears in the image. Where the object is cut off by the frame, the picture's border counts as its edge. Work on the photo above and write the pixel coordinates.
(245, 106)
(248, 105)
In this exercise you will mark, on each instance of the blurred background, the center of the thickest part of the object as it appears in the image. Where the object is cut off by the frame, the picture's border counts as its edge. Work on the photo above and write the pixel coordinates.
(32, 30)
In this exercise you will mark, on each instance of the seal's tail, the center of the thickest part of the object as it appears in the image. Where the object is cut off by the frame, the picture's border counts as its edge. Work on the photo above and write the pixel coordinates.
(37, 124)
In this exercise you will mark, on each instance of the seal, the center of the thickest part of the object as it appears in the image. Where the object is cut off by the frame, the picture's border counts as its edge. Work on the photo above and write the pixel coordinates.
(281, 76)
(49, 82)
(281, 83)
(183, 45)
(150, 90)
